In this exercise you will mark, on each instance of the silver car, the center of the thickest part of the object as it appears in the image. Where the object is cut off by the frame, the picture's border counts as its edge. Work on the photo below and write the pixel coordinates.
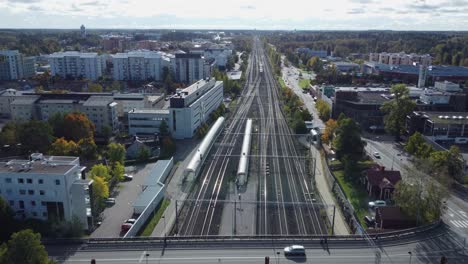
(294, 250)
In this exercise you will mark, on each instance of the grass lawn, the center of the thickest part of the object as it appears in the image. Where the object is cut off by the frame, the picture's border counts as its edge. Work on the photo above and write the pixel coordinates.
(355, 194)
(151, 223)
(304, 83)
(282, 83)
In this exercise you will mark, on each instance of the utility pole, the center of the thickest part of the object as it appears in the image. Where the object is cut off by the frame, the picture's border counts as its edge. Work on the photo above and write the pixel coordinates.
(333, 221)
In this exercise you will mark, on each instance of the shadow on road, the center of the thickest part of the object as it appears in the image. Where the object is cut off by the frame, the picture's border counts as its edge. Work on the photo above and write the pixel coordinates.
(297, 259)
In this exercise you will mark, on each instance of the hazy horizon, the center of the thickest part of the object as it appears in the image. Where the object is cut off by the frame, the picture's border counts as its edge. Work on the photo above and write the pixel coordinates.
(398, 15)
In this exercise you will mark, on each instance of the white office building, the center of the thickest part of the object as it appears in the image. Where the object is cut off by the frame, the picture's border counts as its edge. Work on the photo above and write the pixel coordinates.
(189, 108)
(14, 66)
(73, 64)
(220, 55)
(46, 188)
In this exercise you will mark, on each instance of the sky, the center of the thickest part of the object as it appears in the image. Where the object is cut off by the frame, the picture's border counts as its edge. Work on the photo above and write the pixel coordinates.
(240, 14)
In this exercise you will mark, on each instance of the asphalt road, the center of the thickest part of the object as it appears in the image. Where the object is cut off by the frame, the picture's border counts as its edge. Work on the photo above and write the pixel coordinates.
(425, 249)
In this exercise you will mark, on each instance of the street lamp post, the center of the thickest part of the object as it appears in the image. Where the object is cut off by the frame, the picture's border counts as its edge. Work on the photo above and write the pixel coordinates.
(164, 219)
(410, 256)
(147, 255)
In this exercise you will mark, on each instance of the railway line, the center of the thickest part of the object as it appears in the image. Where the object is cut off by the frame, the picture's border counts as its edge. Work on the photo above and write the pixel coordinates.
(284, 205)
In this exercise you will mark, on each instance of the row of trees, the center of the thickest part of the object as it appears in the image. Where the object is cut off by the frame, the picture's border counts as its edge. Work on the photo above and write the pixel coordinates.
(294, 110)
(447, 48)
(323, 109)
(232, 87)
(437, 163)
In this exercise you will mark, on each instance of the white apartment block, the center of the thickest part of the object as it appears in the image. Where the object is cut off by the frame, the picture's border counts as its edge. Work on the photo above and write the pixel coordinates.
(401, 58)
(14, 66)
(189, 108)
(141, 65)
(189, 67)
(6, 98)
(46, 188)
(73, 64)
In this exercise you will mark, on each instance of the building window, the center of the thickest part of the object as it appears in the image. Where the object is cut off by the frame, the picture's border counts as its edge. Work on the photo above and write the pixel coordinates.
(31, 192)
(57, 182)
(43, 203)
(41, 181)
(8, 180)
(20, 180)
(44, 214)
(33, 203)
(12, 203)
(29, 180)
(34, 214)
(41, 192)
(22, 192)
(21, 204)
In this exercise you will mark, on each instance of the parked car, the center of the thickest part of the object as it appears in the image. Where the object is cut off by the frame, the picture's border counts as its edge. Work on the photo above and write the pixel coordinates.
(128, 177)
(377, 203)
(294, 250)
(377, 155)
(370, 221)
(127, 225)
(110, 201)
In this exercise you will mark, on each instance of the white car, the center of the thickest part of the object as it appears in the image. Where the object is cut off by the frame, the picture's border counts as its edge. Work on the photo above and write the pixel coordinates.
(377, 155)
(128, 177)
(377, 203)
(294, 250)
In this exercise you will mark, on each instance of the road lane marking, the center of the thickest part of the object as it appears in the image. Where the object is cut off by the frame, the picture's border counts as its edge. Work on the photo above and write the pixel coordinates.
(142, 256)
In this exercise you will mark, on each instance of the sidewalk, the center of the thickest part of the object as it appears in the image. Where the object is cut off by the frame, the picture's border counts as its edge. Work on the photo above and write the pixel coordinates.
(175, 190)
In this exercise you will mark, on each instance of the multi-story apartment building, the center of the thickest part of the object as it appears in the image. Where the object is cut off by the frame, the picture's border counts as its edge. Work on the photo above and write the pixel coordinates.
(47, 188)
(189, 108)
(6, 98)
(14, 66)
(73, 64)
(401, 58)
(189, 67)
(138, 65)
(220, 55)
(101, 110)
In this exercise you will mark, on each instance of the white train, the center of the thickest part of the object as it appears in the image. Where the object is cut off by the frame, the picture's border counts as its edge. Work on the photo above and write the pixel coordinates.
(192, 170)
(243, 169)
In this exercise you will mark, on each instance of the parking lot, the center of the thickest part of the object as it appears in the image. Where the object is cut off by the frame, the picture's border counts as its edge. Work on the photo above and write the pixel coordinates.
(125, 194)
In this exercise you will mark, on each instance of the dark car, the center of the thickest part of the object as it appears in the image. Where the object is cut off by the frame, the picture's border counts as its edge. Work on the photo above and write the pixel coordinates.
(370, 221)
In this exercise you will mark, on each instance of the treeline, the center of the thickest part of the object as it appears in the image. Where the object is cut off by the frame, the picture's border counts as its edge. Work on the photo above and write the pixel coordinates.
(448, 48)
(231, 87)
(37, 42)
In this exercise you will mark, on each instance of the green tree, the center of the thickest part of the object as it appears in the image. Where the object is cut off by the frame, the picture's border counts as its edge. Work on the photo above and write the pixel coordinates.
(100, 170)
(324, 110)
(143, 154)
(56, 121)
(106, 132)
(116, 153)
(163, 128)
(95, 88)
(168, 147)
(36, 136)
(78, 127)
(116, 86)
(118, 171)
(87, 149)
(8, 135)
(25, 247)
(397, 109)
(63, 147)
(100, 192)
(348, 141)
(450, 162)
(330, 128)
(7, 222)
(315, 64)
(418, 146)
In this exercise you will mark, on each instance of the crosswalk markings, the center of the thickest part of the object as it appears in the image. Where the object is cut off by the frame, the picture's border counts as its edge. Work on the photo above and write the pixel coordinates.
(461, 224)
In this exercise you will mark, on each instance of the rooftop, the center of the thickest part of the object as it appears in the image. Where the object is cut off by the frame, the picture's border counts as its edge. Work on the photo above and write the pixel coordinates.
(435, 71)
(378, 175)
(157, 172)
(73, 54)
(98, 101)
(447, 117)
(138, 53)
(25, 100)
(148, 111)
(34, 167)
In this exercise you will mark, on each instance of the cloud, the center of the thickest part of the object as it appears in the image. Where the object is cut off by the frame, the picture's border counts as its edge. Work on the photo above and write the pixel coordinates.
(248, 7)
(23, 1)
(356, 11)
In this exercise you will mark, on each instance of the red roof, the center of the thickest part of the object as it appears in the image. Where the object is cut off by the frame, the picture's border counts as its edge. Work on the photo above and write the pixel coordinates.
(378, 176)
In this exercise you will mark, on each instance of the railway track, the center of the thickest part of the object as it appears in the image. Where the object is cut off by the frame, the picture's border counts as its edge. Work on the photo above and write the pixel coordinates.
(283, 203)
